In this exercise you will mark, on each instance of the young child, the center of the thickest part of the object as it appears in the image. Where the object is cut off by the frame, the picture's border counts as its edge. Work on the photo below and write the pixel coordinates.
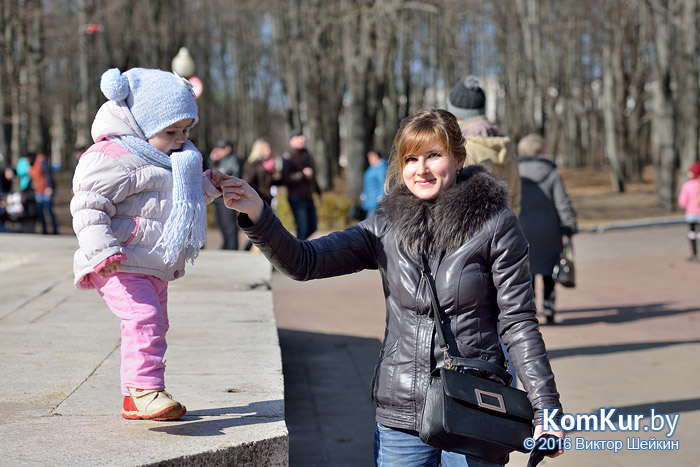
(139, 213)
(689, 199)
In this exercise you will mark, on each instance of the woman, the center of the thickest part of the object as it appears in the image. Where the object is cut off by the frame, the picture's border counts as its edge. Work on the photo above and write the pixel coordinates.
(259, 169)
(546, 214)
(476, 251)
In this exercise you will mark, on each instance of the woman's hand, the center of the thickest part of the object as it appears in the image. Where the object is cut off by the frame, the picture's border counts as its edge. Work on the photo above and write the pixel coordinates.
(559, 434)
(242, 197)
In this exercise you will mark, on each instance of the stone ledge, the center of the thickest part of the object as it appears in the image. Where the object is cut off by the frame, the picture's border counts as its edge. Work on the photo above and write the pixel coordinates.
(59, 360)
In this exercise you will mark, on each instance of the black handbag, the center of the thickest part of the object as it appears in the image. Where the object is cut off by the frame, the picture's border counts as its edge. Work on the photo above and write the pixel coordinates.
(466, 411)
(564, 271)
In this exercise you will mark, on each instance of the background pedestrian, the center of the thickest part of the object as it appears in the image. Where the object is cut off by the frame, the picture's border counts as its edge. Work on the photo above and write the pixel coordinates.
(486, 145)
(223, 159)
(689, 200)
(373, 182)
(546, 214)
(299, 178)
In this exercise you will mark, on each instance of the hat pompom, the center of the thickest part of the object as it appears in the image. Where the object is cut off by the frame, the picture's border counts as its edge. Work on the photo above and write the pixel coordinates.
(471, 82)
(114, 85)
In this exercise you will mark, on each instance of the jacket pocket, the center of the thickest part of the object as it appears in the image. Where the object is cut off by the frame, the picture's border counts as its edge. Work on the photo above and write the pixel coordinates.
(386, 353)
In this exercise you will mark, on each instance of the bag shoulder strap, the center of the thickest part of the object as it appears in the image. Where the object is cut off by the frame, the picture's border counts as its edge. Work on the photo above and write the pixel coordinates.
(450, 361)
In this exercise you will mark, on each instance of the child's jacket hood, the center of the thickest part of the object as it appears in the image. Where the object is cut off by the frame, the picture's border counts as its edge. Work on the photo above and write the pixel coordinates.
(114, 118)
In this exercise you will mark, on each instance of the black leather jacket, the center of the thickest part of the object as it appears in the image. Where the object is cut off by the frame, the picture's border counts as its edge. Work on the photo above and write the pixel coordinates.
(479, 258)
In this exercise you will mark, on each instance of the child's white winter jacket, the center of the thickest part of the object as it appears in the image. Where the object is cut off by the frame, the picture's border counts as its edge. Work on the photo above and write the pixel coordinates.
(120, 205)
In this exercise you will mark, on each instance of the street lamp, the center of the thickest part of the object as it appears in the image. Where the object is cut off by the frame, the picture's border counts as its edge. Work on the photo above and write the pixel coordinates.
(183, 64)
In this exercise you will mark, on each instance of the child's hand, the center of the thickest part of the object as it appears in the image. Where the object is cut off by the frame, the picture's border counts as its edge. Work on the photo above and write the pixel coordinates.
(242, 197)
(110, 269)
(216, 179)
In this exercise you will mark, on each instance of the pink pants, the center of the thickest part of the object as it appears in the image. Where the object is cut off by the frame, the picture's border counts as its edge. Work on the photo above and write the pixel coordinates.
(141, 301)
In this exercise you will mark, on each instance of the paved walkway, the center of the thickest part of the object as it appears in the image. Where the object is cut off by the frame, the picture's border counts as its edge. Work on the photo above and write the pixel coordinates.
(628, 337)
(59, 366)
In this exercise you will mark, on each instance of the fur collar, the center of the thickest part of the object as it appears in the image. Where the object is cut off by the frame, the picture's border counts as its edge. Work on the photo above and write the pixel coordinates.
(442, 225)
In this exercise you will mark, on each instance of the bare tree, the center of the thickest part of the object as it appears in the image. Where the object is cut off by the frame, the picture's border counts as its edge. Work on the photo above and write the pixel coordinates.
(85, 85)
(688, 84)
(349, 71)
(366, 49)
(528, 12)
(612, 49)
(4, 58)
(663, 130)
(635, 75)
(323, 83)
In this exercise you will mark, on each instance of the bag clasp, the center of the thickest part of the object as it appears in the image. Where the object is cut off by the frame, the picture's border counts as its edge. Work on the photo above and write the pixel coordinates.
(480, 393)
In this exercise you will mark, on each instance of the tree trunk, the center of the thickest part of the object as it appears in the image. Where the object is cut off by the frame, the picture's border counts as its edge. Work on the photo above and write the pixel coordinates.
(356, 58)
(58, 138)
(18, 143)
(635, 141)
(84, 110)
(688, 104)
(570, 106)
(243, 33)
(5, 57)
(662, 124)
(34, 97)
(289, 43)
(528, 11)
(611, 112)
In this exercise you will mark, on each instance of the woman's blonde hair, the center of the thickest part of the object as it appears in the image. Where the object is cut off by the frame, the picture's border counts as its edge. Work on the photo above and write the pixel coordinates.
(256, 150)
(415, 133)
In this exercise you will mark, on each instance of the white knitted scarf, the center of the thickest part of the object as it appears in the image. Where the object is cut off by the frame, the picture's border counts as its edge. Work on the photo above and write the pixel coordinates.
(186, 226)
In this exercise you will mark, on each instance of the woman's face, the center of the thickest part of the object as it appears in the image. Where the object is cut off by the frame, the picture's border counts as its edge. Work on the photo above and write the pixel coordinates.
(429, 171)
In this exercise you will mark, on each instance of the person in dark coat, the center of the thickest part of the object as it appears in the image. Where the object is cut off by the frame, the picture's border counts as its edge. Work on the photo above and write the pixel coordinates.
(454, 219)
(546, 214)
(299, 178)
(225, 160)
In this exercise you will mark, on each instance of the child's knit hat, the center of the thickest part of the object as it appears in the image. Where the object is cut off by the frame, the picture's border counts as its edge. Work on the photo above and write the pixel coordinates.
(156, 98)
(695, 170)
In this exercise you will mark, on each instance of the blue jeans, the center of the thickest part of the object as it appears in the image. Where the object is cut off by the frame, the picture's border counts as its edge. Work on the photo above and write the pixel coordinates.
(304, 213)
(44, 207)
(400, 448)
(227, 224)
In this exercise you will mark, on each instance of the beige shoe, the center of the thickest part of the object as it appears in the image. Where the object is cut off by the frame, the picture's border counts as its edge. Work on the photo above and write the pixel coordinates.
(151, 404)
